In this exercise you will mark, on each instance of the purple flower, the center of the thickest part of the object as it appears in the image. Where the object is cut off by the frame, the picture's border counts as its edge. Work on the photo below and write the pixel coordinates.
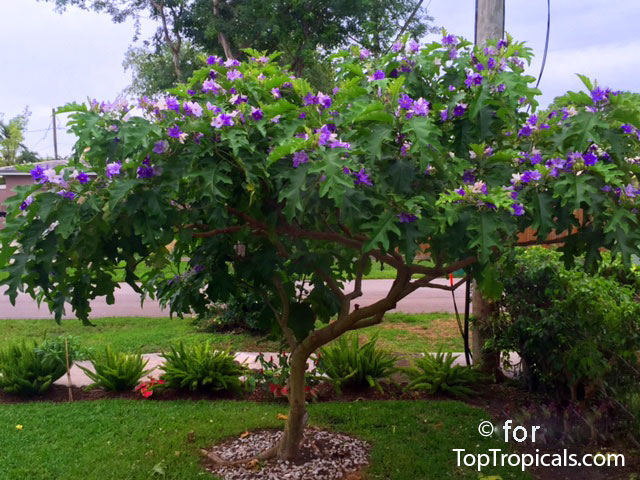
(67, 195)
(598, 95)
(627, 128)
(606, 189)
(414, 47)
(405, 101)
(532, 120)
(518, 209)
(324, 100)
(214, 60)
(404, 150)
(459, 109)
(491, 63)
(590, 159)
(38, 174)
(174, 132)
(335, 90)
(502, 87)
(453, 53)
(502, 44)
(256, 113)
(407, 217)
(27, 201)
(421, 107)
(275, 91)
(531, 176)
(364, 54)
(450, 40)
(630, 191)
(535, 158)
(309, 99)
(377, 75)
(444, 114)
(234, 74)
(161, 146)
(460, 191)
(362, 178)
(145, 171)
(473, 79)
(113, 169)
(525, 131)
(468, 177)
(191, 92)
(231, 62)
(82, 178)
(300, 158)
(173, 104)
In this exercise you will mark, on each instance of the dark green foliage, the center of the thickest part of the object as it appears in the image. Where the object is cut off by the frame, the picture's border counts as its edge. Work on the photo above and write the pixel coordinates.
(577, 333)
(437, 374)
(347, 364)
(25, 370)
(115, 371)
(243, 312)
(201, 367)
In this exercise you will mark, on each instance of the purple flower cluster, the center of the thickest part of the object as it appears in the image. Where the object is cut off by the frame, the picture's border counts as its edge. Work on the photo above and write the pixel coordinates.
(113, 169)
(146, 169)
(405, 217)
(27, 201)
(299, 158)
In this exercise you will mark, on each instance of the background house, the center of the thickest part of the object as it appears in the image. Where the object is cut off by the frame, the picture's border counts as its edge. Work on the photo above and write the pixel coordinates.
(10, 177)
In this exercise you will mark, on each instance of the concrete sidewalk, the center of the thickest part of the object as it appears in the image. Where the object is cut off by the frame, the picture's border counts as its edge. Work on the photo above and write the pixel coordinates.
(155, 362)
(127, 302)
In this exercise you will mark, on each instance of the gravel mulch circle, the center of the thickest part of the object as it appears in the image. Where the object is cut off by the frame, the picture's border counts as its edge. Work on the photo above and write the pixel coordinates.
(324, 456)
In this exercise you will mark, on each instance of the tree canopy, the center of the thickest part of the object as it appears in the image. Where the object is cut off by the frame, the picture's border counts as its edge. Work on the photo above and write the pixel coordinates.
(305, 31)
(12, 148)
(267, 184)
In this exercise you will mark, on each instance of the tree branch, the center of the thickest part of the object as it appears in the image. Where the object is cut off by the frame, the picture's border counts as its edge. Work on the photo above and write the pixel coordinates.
(219, 231)
(283, 319)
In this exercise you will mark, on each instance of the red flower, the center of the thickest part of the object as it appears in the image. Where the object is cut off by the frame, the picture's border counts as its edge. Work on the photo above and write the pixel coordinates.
(284, 390)
(147, 393)
(273, 387)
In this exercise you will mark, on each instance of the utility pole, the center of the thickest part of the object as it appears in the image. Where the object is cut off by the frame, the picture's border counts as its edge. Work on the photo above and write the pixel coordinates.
(55, 135)
(489, 25)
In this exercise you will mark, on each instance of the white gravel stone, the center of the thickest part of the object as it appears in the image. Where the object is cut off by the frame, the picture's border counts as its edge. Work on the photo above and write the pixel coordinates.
(327, 456)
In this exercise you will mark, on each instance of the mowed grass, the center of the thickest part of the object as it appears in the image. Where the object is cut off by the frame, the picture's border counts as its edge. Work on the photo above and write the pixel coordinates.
(399, 332)
(131, 334)
(129, 439)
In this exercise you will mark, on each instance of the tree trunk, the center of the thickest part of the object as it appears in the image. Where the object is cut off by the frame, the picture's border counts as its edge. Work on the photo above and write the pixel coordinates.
(289, 447)
(226, 46)
(487, 362)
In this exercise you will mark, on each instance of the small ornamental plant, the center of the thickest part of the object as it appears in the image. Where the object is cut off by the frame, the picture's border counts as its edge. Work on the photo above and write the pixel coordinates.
(274, 373)
(266, 184)
(147, 388)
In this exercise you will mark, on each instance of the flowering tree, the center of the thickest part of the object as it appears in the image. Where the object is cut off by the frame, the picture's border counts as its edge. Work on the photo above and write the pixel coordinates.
(265, 184)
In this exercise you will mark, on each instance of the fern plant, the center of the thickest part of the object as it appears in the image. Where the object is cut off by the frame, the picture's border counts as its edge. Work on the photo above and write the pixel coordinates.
(115, 371)
(201, 367)
(27, 371)
(347, 364)
(436, 373)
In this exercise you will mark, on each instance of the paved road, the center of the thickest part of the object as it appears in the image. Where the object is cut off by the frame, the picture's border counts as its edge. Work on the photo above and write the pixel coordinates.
(127, 302)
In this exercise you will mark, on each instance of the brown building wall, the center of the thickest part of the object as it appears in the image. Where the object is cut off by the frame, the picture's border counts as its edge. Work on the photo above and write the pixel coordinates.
(11, 181)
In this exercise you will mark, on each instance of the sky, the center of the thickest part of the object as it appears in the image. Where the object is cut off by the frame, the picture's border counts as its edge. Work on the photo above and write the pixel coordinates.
(50, 59)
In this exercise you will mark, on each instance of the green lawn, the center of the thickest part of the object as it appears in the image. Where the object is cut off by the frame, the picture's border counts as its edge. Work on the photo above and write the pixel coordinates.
(128, 439)
(400, 333)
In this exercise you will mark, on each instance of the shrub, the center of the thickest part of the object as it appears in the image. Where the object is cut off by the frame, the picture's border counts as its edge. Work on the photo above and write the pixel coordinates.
(54, 347)
(201, 367)
(347, 364)
(26, 370)
(274, 375)
(115, 371)
(577, 333)
(247, 312)
(437, 373)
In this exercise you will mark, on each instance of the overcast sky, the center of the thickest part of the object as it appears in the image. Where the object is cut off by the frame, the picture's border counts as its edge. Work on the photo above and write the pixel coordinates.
(50, 59)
